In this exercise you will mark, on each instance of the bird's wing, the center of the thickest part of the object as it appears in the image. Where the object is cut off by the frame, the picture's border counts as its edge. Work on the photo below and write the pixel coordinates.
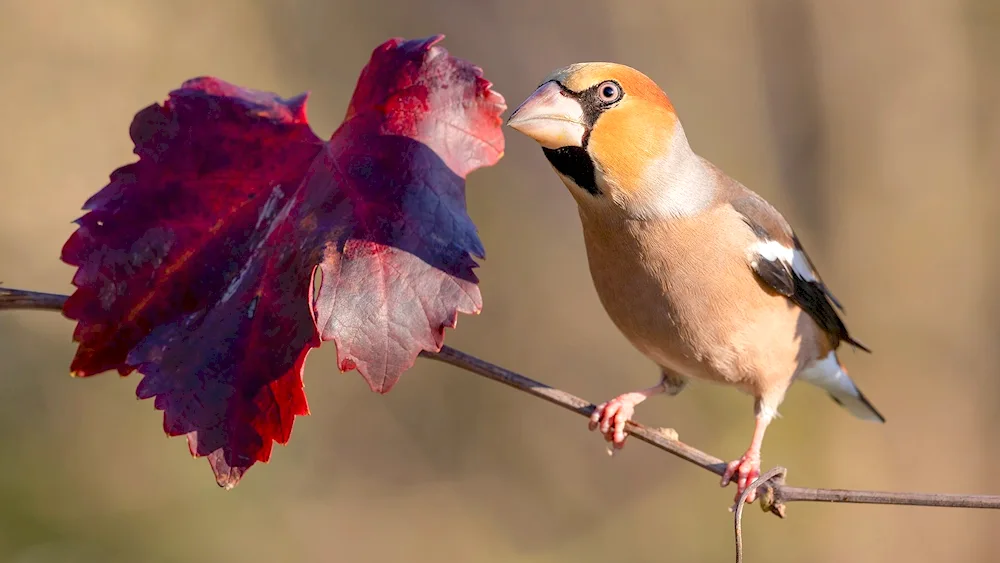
(779, 261)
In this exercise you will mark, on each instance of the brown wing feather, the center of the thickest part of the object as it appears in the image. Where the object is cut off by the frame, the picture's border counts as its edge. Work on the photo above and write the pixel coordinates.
(811, 295)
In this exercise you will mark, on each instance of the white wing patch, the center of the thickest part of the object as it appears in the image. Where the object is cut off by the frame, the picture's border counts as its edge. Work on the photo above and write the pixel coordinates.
(775, 251)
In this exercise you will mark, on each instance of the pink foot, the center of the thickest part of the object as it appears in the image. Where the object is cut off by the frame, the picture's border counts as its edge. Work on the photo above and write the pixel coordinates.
(745, 470)
(611, 416)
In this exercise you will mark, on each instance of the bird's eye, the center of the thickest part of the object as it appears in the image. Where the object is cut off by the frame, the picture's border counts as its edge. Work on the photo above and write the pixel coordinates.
(609, 92)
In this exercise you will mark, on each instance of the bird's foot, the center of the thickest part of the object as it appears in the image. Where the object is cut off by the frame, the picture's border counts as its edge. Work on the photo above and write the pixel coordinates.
(745, 471)
(610, 418)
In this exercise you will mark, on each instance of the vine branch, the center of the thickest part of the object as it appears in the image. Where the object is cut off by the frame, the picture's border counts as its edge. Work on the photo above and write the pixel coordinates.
(774, 497)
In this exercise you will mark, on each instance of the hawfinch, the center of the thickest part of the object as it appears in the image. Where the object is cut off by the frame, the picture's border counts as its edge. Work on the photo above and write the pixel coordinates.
(701, 274)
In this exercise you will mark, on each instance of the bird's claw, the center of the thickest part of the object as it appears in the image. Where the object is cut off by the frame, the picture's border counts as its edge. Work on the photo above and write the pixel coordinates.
(610, 419)
(745, 470)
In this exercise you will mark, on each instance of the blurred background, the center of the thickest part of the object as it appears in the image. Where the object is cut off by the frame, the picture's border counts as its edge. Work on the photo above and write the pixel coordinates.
(873, 125)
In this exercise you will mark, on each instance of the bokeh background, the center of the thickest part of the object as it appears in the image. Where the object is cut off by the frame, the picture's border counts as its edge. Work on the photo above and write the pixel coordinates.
(873, 124)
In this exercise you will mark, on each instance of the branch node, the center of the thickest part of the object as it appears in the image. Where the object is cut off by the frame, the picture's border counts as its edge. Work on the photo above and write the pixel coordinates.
(768, 502)
(668, 433)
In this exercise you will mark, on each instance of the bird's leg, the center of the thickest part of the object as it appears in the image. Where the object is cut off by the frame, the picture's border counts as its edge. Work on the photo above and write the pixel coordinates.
(611, 416)
(747, 468)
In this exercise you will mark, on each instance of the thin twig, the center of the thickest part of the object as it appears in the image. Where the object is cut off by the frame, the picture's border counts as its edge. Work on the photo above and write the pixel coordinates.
(773, 498)
(778, 474)
(20, 299)
(660, 437)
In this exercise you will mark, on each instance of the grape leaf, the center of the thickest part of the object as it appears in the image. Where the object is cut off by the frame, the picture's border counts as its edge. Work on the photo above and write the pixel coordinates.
(196, 264)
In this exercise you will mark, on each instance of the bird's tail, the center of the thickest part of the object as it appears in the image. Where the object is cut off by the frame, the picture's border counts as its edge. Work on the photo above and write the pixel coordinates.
(828, 374)
(858, 405)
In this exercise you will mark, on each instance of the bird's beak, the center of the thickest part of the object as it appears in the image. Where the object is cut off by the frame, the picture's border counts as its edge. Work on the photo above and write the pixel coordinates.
(550, 117)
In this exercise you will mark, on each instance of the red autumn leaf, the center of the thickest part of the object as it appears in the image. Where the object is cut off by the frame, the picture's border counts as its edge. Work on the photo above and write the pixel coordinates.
(196, 263)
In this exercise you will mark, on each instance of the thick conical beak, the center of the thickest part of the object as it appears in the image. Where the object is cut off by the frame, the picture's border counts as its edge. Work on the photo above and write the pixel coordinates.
(550, 117)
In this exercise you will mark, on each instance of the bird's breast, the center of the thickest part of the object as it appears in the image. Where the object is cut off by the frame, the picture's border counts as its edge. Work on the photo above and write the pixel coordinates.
(677, 291)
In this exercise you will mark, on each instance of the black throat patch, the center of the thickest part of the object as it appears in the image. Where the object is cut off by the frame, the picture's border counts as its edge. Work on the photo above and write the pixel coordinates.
(575, 162)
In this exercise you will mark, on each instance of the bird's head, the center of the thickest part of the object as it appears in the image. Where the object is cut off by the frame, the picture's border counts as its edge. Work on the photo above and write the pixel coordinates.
(612, 136)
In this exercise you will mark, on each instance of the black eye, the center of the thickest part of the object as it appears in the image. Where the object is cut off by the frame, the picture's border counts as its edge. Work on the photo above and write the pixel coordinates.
(609, 92)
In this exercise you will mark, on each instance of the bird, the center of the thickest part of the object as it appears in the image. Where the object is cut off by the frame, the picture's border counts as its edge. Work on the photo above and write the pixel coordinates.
(699, 273)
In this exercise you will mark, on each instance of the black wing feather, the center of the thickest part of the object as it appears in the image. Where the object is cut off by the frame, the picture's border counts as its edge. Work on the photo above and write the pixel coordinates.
(811, 295)
(826, 290)
(775, 274)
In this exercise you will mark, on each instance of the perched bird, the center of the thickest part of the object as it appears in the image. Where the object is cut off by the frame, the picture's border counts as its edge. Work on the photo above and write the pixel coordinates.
(700, 274)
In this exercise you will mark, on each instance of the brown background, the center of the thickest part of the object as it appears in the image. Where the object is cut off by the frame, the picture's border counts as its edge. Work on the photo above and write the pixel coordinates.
(872, 124)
